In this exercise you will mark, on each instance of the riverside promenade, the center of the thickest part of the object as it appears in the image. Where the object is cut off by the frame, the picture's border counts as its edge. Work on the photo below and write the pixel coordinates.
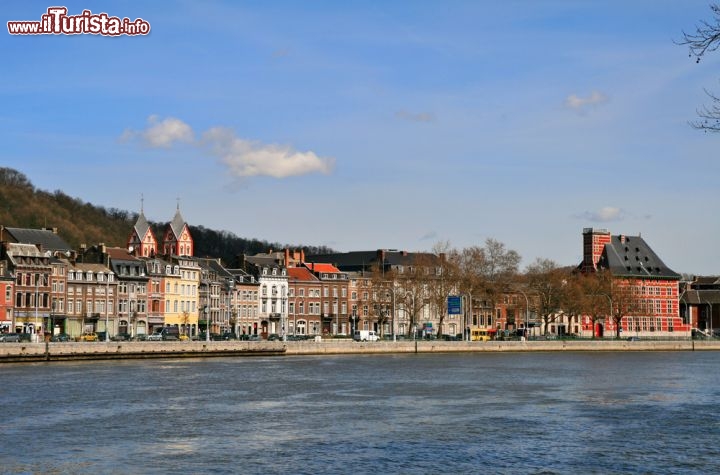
(34, 352)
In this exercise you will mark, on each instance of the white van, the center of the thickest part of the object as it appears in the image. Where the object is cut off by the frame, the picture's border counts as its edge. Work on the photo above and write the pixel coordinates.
(365, 335)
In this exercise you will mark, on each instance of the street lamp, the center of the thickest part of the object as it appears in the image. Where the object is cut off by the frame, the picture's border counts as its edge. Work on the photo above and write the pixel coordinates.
(37, 283)
(230, 287)
(709, 327)
(468, 321)
(52, 318)
(207, 323)
(107, 307)
(527, 314)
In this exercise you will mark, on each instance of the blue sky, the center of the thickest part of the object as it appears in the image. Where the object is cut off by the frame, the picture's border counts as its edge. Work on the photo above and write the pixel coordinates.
(364, 125)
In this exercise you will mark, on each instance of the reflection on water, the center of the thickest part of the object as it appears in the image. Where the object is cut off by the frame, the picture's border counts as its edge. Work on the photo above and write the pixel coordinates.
(472, 413)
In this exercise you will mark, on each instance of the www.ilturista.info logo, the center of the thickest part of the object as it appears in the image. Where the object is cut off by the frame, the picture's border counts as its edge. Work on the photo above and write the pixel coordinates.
(57, 22)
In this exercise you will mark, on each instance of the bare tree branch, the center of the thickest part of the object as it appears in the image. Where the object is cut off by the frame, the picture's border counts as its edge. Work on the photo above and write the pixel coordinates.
(705, 39)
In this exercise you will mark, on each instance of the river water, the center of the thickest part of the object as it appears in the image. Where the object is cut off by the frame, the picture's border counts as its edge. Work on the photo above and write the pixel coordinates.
(555, 413)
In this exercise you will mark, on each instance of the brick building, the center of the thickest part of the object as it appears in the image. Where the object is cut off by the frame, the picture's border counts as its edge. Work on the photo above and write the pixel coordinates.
(636, 271)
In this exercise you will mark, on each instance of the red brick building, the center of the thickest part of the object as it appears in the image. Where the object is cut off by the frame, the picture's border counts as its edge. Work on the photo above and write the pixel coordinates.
(304, 302)
(637, 271)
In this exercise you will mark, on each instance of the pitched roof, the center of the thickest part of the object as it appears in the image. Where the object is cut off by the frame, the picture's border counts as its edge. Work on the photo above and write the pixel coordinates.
(320, 267)
(142, 226)
(300, 273)
(45, 239)
(701, 297)
(364, 260)
(177, 224)
(631, 256)
(120, 253)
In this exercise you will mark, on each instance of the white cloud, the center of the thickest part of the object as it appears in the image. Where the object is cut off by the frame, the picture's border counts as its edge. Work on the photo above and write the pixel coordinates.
(582, 104)
(245, 158)
(162, 133)
(604, 215)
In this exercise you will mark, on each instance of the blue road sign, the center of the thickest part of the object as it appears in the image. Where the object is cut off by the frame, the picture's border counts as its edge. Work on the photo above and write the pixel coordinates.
(454, 305)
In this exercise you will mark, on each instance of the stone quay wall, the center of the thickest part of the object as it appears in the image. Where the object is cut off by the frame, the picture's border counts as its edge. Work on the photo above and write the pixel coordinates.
(29, 352)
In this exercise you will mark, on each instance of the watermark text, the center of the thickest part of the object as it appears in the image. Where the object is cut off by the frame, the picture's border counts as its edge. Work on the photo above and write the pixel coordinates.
(57, 22)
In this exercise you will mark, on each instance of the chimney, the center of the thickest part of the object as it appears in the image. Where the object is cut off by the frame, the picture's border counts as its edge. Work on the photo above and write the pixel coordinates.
(594, 241)
(287, 257)
(622, 239)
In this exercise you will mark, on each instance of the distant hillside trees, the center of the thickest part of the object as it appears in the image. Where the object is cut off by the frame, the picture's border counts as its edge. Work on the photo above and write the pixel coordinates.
(78, 222)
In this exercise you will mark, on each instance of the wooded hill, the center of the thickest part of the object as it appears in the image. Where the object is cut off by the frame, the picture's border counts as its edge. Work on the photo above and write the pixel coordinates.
(24, 206)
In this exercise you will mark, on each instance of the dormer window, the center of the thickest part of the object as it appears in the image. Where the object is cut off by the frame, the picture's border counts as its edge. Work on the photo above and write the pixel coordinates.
(89, 276)
(274, 272)
(264, 271)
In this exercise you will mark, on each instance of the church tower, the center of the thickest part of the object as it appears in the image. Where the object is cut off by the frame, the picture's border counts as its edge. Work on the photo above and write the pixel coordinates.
(142, 241)
(177, 239)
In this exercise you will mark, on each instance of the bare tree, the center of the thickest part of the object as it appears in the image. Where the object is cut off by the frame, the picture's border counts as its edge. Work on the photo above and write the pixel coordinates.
(499, 270)
(705, 39)
(469, 263)
(595, 300)
(412, 293)
(627, 301)
(438, 276)
(547, 281)
(380, 296)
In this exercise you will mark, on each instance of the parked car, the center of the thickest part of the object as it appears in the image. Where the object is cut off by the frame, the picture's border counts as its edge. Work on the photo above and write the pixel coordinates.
(61, 337)
(254, 338)
(89, 336)
(633, 338)
(157, 336)
(9, 337)
(274, 337)
(451, 338)
(121, 337)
